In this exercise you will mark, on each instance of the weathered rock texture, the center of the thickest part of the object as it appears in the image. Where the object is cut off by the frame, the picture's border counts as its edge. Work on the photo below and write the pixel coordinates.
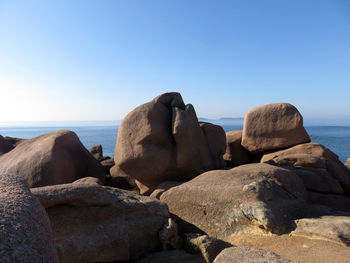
(93, 223)
(321, 169)
(163, 141)
(249, 255)
(249, 198)
(49, 159)
(25, 232)
(273, 126)
(235, 153)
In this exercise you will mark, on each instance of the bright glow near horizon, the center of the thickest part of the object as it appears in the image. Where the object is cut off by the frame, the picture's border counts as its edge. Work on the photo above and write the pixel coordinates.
(97, 60)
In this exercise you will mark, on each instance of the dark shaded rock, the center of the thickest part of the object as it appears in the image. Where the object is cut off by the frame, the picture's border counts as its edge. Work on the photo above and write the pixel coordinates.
(14, 141)
(163, 187)
(173, 256)
(335, 202)
(107, 164)
(5, 146)
(209, 247)
(121, 180)
(235, 154)
(97, 152)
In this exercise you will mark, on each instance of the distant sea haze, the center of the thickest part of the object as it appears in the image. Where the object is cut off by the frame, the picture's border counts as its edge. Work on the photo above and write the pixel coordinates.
(333, 134)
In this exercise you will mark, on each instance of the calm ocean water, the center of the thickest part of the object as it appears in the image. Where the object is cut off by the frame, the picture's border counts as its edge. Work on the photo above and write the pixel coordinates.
(336, 138)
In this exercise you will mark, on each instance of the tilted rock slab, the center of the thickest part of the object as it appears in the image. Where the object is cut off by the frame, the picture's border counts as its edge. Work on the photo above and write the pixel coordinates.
(317, 166)
(330, 228)
(25, 232)
(249, 198)
(93, 223)
(273, 126)
(52, 158)
(249, 255)
(162, 140)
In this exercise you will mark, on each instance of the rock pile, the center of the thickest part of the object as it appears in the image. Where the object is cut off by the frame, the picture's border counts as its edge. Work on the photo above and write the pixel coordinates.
(207, 189)
(162, 140)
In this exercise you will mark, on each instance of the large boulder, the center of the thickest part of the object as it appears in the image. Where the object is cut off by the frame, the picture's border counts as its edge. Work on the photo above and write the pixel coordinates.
(162, 140)
(93, 223)
(25, 231)
(256, 198)
(235, 153)
(249, 255)
(5, 146)
(52, 158)
(273, 126)
(317, 166)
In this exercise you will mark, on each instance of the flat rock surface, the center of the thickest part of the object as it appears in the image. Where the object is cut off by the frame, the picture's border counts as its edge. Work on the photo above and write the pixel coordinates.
(248, 198)
(330, 228)
(249, 255)
(296, 248)
(25, 231)
(93, 223)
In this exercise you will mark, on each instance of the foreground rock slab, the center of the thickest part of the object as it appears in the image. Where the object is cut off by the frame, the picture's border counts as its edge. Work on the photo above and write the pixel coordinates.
(249, 255)
(52, 158)
(162, 140)
(296, 248)
(93, 223)
(273, 126)
(248, 198)
(329, 228)
(25, 232)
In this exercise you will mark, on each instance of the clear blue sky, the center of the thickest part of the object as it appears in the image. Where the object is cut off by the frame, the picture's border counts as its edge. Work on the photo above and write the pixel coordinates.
(97, 60)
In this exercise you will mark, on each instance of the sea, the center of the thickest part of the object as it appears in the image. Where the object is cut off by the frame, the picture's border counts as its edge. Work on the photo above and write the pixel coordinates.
(335, 135)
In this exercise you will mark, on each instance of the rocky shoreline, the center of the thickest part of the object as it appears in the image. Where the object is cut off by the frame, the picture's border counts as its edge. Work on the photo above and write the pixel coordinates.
(176, 190)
